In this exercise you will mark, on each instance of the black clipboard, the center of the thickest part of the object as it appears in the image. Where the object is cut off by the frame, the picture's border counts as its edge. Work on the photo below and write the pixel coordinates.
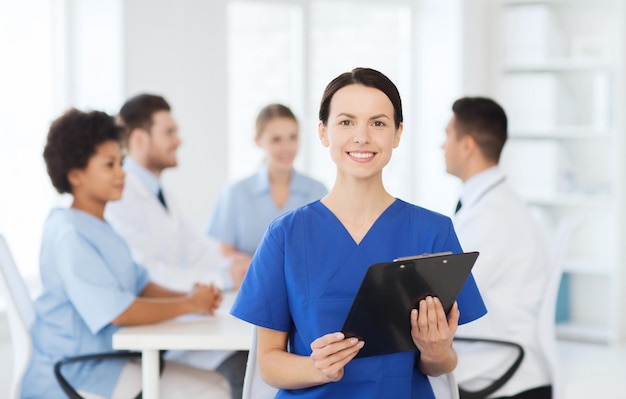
(380, 312)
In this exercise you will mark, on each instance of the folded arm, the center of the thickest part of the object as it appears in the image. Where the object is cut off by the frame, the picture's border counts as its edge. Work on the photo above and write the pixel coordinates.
(157, 303)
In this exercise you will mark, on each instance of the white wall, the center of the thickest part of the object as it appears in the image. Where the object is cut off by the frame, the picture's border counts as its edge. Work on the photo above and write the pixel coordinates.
(178, 49)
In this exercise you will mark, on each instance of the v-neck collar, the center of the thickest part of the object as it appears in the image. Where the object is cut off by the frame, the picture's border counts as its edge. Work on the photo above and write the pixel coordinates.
(374, 225)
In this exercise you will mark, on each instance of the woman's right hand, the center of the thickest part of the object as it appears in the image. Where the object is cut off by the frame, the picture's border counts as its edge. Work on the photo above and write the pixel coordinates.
(332, 352)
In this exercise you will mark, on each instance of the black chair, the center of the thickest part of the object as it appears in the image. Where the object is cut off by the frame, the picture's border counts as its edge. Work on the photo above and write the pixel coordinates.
(506, 376)
(21, 316)
(70, 391)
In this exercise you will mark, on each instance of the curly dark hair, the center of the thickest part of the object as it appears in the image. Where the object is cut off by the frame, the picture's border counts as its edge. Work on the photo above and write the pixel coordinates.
(72, 140)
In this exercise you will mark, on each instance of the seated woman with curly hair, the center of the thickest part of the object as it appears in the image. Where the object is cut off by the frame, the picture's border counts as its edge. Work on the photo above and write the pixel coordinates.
(91, 285)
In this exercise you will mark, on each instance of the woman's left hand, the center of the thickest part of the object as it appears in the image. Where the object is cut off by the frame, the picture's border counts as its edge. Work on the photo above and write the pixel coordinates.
(432, 333)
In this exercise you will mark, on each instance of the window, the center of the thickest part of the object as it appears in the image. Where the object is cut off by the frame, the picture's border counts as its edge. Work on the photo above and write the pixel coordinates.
(287, 52)
(26, 108)
(55, 50)
(265, 66)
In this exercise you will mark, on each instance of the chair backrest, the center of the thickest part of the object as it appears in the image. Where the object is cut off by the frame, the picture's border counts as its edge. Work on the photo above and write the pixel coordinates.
(445, 386)
(20, 313)
(547, 312)
(253, 385)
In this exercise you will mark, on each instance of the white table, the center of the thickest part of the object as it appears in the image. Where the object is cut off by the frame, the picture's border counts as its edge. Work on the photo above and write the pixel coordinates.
(219, 332)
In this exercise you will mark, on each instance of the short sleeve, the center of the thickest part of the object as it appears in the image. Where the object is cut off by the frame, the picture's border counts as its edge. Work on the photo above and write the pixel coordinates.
(262, 299)
(142, 278)
(452, 243)
(469, 301)
(221, 225)
(95, 292)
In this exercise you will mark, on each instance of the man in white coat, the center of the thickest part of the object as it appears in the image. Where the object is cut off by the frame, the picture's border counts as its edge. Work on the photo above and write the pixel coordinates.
(511, 271)
(159, 237)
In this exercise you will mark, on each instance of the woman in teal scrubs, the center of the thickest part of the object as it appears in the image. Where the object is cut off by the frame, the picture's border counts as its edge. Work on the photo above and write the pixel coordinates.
(91, 286)
(306, 272)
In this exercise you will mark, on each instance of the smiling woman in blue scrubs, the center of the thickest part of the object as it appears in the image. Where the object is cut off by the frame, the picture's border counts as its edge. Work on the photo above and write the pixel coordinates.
(307, 270)
(90, 284)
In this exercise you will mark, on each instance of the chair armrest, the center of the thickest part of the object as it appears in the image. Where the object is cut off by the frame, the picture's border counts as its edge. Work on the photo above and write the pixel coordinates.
(498, 383)
(69, 390)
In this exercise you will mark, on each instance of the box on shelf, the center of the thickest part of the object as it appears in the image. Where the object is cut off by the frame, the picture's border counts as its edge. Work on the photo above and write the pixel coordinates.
(531, 34)
(530, 100)
(536, 168)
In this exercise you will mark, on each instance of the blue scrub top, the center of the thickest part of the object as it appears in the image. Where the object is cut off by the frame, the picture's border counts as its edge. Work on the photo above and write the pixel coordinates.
(306, 272)
(89, 278)
(245, 208)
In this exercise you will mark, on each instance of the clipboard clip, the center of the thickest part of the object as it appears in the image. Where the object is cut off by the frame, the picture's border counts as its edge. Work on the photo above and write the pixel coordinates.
(405, 258)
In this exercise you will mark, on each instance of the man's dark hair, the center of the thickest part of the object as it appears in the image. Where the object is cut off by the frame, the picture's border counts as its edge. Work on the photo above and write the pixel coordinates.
(137, 112)
(72, 140)
(484, 120)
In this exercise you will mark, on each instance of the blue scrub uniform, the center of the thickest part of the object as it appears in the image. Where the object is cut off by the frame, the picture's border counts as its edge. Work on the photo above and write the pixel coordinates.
(88, 279)
(245, 208)
(307, 271)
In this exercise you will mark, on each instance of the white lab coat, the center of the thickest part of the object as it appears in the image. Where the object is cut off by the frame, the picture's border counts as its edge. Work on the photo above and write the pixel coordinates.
(175, 254)
(511, 274)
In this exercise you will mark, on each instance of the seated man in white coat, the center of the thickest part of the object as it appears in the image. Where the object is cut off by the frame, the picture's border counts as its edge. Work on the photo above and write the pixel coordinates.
(511, 270)
(160, 239)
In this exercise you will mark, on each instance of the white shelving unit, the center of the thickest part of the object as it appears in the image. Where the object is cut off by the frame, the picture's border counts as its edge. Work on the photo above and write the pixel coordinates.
(560, 76)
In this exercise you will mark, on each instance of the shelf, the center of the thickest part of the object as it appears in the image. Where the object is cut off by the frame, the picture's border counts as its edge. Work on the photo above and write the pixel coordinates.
(596, 267)
(558, 2)
(563, 133)
(559, 65)
(583, 332)
(578, 200)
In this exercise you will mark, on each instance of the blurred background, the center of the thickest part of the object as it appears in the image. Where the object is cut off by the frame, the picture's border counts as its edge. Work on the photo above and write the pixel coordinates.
(557, 66)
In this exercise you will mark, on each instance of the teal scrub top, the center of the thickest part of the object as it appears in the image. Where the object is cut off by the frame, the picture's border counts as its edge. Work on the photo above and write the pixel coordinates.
(245, 208)
(88, 279)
